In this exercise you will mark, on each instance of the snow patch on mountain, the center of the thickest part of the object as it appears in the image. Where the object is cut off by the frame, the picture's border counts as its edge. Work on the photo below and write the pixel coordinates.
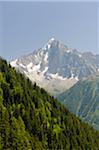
(22, 65)
(76, 78)
(80, 55)
(46, 58)
(45, 70)
(14, 63)
(36, 67)
(68, 51)
(72, 75)
(30, 65)
(33, 68)
(48, 45)
(56, 76)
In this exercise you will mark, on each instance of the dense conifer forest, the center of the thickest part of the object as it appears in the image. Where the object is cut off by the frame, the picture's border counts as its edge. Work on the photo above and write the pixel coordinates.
(31, 119)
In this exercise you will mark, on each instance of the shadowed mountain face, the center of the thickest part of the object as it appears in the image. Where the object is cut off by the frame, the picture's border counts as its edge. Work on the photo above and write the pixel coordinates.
(57, 67)
(83, 100)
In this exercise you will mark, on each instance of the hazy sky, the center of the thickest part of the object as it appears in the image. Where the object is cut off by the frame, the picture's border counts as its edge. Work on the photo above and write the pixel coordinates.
(26, 26)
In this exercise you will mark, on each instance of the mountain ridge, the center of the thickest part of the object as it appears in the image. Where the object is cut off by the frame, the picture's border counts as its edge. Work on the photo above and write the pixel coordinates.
(54, 63)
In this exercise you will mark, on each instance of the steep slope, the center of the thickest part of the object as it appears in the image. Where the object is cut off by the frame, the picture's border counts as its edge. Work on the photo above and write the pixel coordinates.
(56, 67)
(32, 119)
(83, 100)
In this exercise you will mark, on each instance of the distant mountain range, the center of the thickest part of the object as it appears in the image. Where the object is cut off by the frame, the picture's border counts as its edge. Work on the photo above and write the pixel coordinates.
(83, 100)
(56, 67)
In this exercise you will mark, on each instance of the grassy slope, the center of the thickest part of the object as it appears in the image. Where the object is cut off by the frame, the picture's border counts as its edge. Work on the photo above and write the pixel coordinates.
(84, 97)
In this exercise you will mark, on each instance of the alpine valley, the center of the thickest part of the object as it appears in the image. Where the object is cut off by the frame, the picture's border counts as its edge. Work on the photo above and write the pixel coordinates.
(68, 74)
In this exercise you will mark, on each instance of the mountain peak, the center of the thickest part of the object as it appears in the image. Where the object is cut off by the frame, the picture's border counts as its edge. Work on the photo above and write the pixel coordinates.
(51, 39)
(49, 43)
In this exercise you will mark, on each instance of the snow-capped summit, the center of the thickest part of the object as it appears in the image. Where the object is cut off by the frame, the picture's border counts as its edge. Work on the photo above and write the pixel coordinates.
(48, 44)
(57, 66)
(52, 39)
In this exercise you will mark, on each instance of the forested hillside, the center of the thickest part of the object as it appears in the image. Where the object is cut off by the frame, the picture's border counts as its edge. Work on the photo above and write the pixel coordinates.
(83, 100)
(31, 119)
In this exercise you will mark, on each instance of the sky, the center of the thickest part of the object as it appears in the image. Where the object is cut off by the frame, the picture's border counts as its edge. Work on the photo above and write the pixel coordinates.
(27, 26)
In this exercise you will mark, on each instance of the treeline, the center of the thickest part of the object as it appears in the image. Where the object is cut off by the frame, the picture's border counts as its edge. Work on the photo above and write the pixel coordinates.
(31, 119)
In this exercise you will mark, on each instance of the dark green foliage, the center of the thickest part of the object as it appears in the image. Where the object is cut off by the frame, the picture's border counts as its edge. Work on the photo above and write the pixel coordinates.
(84, 97)
(31, 119)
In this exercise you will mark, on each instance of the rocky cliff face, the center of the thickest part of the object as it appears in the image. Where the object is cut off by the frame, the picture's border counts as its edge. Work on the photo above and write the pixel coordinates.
(57, 67)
